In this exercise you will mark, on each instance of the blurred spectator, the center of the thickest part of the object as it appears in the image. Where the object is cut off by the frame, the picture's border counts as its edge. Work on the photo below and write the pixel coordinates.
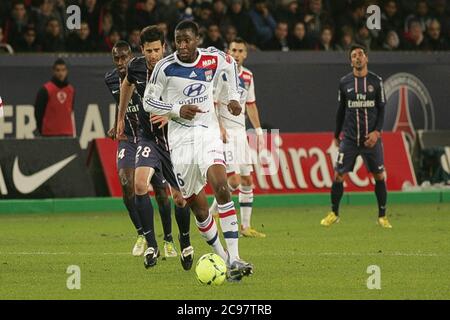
(147, 14)
(391, 41)
(316, 17)
(91, 12)
(204, 17)
(213, 38)
(354, 17)
(134, 40)
(435, 41)
(279, 41)
(415, 39)
(4, 47)
(45, 12)
(441, 11)
(53, 108)
(289, 11)
(185, 9)
(421, 14)
(107, 24)
(240, 19)
(391, 18)
(80, 40)
(219, 13)
(364, 37)
(109, 42)
(168, 43)
(121, 13)
(346, 40)
(230, 34)
(263, 22)
(29, 42)
(53, 41)
(325, 42)
(298, 40)
(16, 24)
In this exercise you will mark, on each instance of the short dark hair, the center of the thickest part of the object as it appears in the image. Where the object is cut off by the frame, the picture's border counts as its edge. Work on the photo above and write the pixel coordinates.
(151, 34)
(121, 44)
(186, 25)
(59, 62)
(357, 46)
(240, 41)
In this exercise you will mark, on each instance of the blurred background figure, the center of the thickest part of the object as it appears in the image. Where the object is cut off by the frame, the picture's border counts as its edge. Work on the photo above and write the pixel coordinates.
(213, 38)
(4, 47)
(298, 39)
(325, 42)
(53, 108)
(391, 41)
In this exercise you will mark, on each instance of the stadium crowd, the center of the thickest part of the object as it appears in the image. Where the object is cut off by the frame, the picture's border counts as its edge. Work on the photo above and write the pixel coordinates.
(279, 25)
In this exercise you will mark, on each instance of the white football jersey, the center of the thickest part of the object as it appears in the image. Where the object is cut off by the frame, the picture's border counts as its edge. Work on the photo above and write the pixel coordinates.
(174, 83)
(247, 91)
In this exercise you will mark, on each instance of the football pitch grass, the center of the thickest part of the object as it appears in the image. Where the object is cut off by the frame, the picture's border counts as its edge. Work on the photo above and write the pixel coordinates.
(299, 259)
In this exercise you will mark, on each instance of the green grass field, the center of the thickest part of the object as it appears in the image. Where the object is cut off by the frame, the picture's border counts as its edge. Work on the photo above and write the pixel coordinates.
(299, 259)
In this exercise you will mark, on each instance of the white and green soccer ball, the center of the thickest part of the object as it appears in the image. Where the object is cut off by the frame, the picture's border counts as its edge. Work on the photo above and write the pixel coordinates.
(211, 269)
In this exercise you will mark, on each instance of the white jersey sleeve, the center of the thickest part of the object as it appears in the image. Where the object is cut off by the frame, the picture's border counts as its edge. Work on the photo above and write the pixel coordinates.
(154, 90)
(227, 65)
(251, 97)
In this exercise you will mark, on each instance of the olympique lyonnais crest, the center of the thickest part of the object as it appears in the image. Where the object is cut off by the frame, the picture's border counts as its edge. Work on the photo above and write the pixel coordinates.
(408, 105)
(208, 75)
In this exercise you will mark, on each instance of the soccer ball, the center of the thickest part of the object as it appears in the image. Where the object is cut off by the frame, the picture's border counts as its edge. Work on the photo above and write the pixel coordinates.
(211, 269)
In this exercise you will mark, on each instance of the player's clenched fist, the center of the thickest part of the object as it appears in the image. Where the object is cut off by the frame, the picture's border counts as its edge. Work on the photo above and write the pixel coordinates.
(234, 107)
(188, 111)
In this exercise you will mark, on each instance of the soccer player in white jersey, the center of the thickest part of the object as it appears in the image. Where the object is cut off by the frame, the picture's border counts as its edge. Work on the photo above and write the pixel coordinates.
(234, 136)
(181, 87)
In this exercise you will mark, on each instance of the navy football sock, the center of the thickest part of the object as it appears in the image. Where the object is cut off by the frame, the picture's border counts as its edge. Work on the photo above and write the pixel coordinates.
(381, 193)
(183, 217)
(145, 210)
(166, 218)
(337, 190)
(134, 216)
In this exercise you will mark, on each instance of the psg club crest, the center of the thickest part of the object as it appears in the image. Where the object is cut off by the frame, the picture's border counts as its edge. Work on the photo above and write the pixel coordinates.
(61, 96)
(408, 105)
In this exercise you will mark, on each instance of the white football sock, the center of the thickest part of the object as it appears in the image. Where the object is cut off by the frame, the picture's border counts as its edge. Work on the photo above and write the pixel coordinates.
(208, 230)
(245, 204)
(229, 224)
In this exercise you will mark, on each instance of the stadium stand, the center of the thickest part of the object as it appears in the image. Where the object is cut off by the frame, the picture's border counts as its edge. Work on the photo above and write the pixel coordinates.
(39, 25)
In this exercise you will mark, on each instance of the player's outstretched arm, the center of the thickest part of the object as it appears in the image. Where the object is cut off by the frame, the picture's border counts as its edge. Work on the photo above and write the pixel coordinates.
(153, 92)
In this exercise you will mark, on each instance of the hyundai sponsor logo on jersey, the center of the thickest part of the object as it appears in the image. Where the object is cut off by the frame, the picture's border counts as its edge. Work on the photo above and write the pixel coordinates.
(194, 90)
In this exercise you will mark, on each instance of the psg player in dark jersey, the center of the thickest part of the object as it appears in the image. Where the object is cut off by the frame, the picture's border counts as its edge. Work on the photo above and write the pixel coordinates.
(153, 151)
(359, 122)
(126, 154)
